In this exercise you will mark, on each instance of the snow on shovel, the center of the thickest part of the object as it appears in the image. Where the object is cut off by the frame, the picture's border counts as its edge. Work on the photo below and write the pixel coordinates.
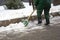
(26, 22)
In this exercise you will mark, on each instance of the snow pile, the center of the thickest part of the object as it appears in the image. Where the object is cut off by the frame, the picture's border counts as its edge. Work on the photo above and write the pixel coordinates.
(19, 13)
(55, 20)
(15, 27)
(54, 8)
(19, 27)
(2, 8)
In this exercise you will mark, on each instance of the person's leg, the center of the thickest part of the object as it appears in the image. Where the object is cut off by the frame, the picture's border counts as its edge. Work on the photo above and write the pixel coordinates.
(39, 12)
(30, 1)
(46, 12)
(33, 4)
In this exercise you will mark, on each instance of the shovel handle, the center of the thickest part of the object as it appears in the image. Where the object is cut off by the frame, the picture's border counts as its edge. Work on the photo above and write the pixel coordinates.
(30, 15)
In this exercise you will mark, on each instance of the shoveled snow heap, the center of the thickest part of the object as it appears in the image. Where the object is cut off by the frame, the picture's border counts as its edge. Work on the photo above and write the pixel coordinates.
(19, 27)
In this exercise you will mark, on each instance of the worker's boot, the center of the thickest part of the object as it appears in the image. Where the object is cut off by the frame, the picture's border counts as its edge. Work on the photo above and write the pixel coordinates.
(39, 21)
(47, 22)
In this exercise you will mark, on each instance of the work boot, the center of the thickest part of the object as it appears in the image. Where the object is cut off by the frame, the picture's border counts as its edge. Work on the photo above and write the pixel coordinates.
(39, 22)
(47, 23)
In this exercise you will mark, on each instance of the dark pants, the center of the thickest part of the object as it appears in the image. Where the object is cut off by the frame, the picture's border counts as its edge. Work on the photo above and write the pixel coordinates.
(46, 13)
(31, 2)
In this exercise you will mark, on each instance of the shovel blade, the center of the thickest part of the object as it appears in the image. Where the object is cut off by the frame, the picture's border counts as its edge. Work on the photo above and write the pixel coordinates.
(25, 23)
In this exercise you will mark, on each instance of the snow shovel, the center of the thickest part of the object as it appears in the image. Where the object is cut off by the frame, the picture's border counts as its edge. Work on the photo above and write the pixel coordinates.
(26, 22)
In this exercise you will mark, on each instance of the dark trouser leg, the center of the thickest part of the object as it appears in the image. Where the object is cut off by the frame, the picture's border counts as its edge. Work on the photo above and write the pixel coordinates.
(33, 4)
(39, 12)
(46, 12)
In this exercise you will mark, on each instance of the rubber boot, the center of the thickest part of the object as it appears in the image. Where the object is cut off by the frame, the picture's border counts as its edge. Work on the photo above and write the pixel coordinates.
(39, 20)
(47, 22)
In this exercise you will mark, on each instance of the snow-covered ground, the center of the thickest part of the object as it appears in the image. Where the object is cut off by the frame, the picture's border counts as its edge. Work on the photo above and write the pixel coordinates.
(19, 27)
(18, 30)
(11, 14)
